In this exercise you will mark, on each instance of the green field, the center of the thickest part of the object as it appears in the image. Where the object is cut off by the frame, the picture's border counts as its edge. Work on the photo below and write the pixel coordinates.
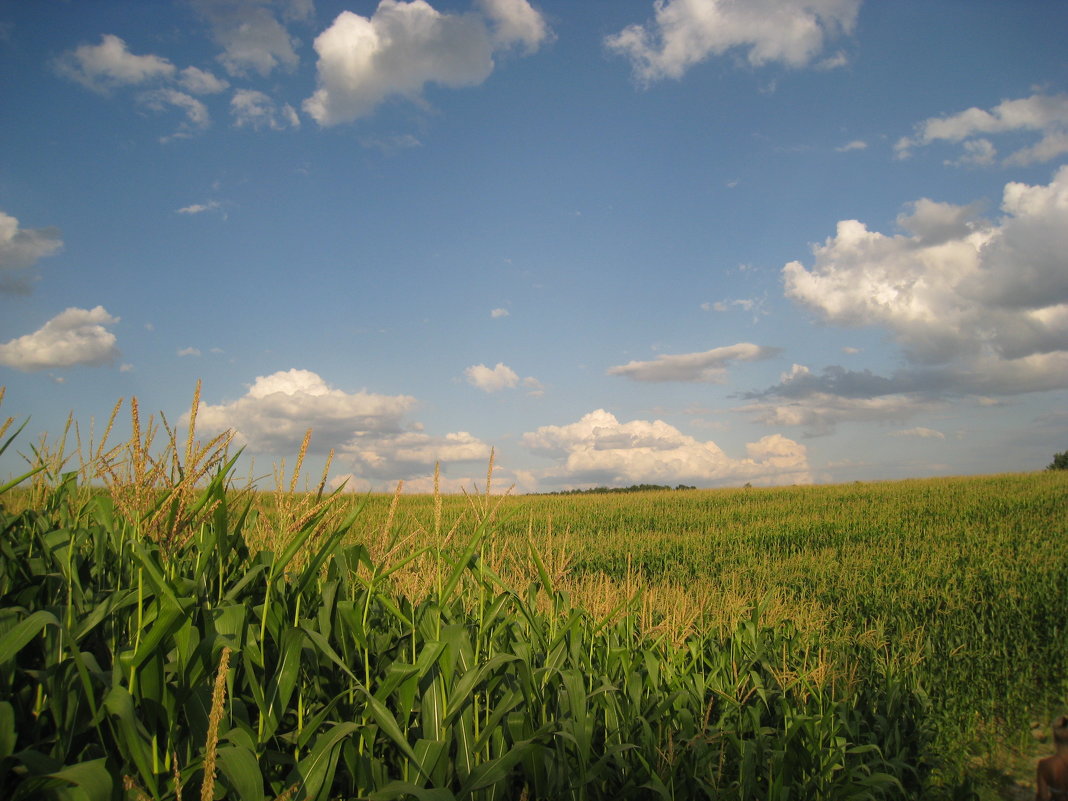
(165, 633)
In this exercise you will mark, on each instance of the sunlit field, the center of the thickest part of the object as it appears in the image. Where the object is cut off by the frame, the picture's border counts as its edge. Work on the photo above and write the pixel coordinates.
(168, 632)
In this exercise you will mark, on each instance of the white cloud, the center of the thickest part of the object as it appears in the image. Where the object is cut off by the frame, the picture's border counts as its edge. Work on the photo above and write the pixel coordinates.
(258, 111)
(110, 64)
(856, 144)
(498, 313)
(404, 46)
(979, 307)
(598, 449)
(516, 22)
(199, 208)
(919, 432)
(710, 365)
(819, 413)
(687, 32)
(21, 249)
(201, 82)
(952, 286)
(534, 387)
(491, 379)
(188, 352)
(977, 153)
(250, 34)
(367, 430)
(277, 409)
(1046, 115)
(73, 337)
(196, 113)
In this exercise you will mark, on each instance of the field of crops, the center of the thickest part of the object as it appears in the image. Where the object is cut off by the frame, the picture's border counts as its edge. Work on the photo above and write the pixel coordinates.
(167, 634)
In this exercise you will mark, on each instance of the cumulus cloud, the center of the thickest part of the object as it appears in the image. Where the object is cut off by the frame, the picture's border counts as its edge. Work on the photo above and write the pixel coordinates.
(687, 32)
(73, 337)
(1045, 115)
(404, 46)
(251, 35)
(278, 408)
(188, 352)
(368, 431)
(710, 365)
(20, 250)
(952, 285)
(515, 22)
(856, 144)
(498, 313)
(599, 449)
(258, 111)
(492, 379)
(110, 64)
(979, 307)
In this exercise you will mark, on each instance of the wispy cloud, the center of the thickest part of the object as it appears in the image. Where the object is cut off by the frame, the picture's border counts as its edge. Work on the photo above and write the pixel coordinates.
(709, 365)
(1043, 114)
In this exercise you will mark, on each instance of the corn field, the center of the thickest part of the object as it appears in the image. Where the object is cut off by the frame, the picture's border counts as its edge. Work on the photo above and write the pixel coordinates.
(166, 635)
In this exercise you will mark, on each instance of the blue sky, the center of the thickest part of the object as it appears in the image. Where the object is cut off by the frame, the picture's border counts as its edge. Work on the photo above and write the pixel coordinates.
(700, 242)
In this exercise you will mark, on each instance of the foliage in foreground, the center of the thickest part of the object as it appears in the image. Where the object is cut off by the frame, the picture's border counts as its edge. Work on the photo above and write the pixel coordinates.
(170, 637)
(228, 673)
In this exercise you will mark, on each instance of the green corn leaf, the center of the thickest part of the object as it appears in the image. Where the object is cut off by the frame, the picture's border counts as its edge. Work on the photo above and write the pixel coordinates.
(324, 647)
(429, 755)
(465, 687)
(92, 778)
(280, 689)
(16, 481)
(119, 703)
(247, 577)
(388, 724)
(397, 674)
(402, 790)
(8, 735)
(496, 770)
(502, 707)
(23, 633)
(316, 770)
(311, 570)
(170, 617)
(241, 771)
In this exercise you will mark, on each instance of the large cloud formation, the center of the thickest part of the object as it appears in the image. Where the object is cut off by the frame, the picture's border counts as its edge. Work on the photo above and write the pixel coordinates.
(404, 46)
(979, 307)
(687, 32)
(599, 449)
(73, 337)
(368, 431)
(21, 249)
(708, 366)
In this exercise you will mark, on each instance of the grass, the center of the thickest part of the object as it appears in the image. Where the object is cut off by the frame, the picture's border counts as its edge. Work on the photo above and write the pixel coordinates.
(164, 631)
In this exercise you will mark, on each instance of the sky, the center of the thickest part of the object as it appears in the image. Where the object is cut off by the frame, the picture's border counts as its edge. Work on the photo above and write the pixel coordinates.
(707, 242)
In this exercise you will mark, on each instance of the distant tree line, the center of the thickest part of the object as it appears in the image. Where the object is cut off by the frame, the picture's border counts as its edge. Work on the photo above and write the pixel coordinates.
(631, 488)
(1060, 461)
